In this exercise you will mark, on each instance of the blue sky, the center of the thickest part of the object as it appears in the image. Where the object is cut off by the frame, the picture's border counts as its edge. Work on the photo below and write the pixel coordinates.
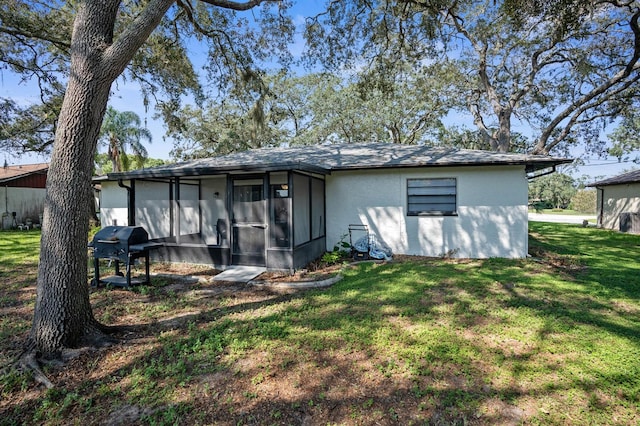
(126, 97)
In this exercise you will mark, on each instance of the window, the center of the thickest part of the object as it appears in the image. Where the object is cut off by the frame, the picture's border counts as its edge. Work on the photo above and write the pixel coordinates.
(431, 196)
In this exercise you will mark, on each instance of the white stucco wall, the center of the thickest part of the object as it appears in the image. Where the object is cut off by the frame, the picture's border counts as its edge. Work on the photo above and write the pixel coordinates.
(616, 199)
(491, 207)
(26, 202)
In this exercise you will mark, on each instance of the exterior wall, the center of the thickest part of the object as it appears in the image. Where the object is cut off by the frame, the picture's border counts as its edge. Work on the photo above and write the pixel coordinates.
(616, 199)
(113, 204)
(26, 202)
(491, 216)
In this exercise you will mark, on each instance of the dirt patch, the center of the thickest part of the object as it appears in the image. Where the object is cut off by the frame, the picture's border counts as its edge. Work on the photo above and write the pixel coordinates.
(316, 271)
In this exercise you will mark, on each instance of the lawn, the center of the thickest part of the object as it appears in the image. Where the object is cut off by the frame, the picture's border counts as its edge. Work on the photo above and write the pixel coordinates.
(553, 339)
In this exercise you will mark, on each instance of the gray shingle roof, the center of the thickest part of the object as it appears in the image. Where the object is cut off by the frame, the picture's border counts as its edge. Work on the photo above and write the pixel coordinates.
(328, 158)
(630, 177)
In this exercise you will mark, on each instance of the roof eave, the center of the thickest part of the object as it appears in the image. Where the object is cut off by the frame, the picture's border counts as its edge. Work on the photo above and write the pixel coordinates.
(217, 170)
(533, 166)
(530, 166)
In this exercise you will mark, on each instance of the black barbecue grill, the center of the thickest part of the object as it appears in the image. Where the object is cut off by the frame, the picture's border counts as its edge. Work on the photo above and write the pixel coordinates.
(121, 244)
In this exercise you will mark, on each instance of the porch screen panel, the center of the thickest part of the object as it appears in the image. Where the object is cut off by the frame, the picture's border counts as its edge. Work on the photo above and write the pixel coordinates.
(153, 208)
(248, 204)
(301, 210)
(317, 208)
(189, 209)
(213, 208)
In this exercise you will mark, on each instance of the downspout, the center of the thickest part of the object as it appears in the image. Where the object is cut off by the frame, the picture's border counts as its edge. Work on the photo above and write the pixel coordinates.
(6, 206)
(131, 217)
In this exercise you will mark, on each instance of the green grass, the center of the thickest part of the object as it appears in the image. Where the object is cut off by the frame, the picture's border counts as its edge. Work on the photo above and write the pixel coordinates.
(18, 248)
(554, 338)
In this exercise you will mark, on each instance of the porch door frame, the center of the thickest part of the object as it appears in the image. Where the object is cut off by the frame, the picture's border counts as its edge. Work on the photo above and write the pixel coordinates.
(252, 250)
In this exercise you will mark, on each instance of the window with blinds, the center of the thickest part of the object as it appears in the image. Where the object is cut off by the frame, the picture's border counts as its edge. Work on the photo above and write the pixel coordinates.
(436, 197)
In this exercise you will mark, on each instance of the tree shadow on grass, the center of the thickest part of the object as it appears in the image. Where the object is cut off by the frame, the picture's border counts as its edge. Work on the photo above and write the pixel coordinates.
(431, 341)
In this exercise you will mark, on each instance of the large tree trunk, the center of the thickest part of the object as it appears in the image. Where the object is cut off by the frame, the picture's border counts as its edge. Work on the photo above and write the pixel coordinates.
(63, 316)
(501, 140)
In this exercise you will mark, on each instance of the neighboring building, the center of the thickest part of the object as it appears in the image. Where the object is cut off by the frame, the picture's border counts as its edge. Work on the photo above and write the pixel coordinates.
(619, 197)
(283, 207)
(22, 193)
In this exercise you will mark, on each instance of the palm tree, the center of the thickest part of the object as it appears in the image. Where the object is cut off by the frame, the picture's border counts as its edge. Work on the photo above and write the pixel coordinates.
(120, 131)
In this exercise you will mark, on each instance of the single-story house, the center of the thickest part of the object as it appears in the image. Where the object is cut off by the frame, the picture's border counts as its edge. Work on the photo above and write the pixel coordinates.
(284, 207)
(22, 193)
(619, 198)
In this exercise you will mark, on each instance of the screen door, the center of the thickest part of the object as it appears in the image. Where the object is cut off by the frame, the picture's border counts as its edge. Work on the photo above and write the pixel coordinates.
(249, 222)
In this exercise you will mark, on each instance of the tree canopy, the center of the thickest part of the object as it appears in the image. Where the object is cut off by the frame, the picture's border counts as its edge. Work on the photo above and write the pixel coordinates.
(538, 77)
(561, 76)
(403, 106)
(35, 44)
(555, 190)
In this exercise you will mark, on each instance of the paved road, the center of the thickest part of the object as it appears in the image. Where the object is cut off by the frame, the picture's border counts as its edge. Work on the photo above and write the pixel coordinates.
(559, 218)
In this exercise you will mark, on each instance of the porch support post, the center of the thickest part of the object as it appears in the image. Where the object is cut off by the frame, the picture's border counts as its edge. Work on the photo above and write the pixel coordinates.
(200, 207)
(177, 215)
(171, 208)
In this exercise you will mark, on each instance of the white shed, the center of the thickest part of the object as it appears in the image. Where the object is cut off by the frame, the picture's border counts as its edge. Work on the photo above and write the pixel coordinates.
(283, 207)
(22, 193)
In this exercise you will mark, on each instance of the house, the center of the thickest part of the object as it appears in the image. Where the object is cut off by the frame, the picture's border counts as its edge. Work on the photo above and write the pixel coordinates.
(22, 193)
(284, 207)
(618, 202)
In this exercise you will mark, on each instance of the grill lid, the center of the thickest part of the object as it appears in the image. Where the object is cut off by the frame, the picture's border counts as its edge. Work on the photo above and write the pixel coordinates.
(125, 235)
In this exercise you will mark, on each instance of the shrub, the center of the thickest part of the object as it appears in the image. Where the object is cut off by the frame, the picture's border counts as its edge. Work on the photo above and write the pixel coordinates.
(332, 257)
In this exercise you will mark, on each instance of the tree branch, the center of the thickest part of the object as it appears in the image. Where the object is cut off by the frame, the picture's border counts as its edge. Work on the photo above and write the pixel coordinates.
(575, 116)
(118, 55)
(60, 44)
(238, 6)
(584, 103)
